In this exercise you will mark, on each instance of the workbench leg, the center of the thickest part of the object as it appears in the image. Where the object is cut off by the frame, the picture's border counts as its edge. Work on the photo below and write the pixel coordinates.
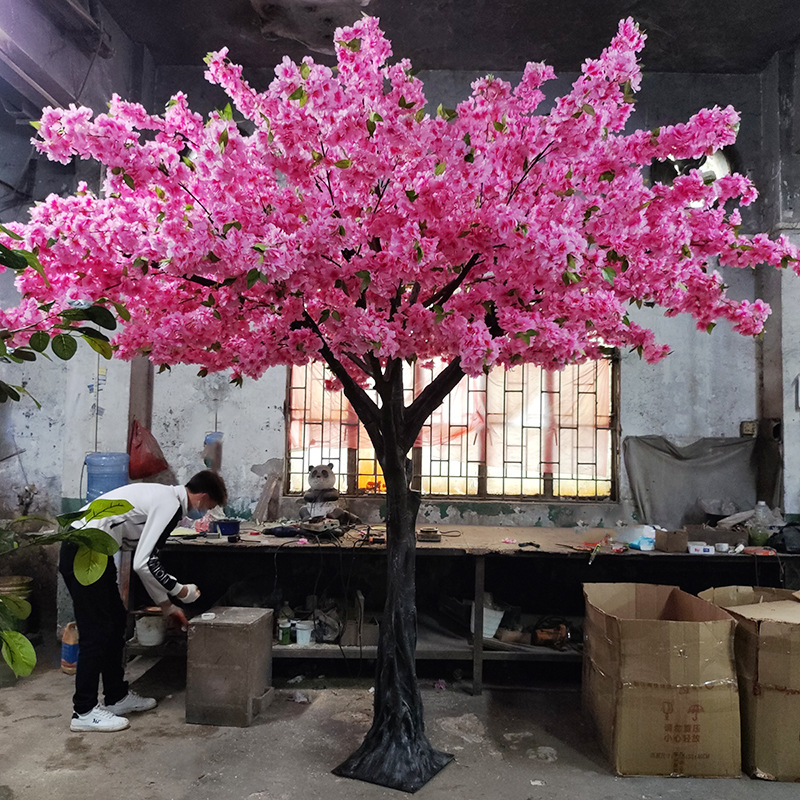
(477, 636)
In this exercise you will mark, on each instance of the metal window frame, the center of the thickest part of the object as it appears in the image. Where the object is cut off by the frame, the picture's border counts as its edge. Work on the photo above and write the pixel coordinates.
(349, 481)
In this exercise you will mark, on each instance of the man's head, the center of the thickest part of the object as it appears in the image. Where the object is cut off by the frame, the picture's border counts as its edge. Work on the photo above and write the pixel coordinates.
(206, 490)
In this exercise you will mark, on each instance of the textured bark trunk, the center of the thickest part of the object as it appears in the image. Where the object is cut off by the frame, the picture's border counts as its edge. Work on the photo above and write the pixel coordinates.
(396, 752)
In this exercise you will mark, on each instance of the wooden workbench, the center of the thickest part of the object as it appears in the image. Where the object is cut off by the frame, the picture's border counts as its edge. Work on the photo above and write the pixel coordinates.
(552, 573)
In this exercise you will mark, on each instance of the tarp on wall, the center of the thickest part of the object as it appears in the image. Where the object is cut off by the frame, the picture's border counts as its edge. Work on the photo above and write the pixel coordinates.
(673, 486)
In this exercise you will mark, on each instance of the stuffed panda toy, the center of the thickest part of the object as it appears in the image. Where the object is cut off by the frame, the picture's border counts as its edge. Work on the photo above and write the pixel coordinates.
(321, 498)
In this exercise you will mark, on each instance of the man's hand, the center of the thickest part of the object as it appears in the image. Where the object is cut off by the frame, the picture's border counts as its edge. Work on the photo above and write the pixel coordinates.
(174, 615)
(188, 593)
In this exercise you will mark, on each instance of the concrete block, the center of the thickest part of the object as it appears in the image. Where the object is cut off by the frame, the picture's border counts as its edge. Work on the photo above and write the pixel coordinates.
(229, 666)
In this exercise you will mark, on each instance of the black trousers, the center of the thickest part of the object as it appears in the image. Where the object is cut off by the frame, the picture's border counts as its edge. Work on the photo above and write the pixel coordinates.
(101, 619)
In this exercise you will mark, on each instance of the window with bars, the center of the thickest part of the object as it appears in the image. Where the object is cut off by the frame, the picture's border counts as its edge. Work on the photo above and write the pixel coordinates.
(518, 433)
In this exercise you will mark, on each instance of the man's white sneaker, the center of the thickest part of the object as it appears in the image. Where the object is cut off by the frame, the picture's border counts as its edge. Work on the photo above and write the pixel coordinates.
(98, 719)
(132, 702)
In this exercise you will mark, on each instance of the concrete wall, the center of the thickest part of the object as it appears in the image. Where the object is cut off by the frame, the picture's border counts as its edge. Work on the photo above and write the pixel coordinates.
(705, 388)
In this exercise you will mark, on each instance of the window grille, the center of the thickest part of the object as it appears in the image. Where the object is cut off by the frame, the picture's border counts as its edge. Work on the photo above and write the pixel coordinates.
(518, 433)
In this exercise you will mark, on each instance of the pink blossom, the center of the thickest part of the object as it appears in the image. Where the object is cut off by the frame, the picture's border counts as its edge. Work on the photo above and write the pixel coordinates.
(355, 221)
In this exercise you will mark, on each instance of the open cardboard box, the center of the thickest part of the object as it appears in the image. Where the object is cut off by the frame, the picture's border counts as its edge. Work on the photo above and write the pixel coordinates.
(767, 647)
(659, 681)
(363, 631)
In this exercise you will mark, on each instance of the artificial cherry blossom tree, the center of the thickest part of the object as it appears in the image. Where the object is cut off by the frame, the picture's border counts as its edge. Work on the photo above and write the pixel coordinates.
(336, 217)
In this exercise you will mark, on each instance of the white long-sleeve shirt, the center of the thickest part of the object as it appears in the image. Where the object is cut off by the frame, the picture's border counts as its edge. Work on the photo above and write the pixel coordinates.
(157, 509)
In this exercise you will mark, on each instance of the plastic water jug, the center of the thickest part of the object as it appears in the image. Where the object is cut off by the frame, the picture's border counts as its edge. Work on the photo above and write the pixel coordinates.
(104, 472)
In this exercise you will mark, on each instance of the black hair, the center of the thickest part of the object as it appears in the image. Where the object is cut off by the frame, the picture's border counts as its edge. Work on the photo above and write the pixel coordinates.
(208, 482)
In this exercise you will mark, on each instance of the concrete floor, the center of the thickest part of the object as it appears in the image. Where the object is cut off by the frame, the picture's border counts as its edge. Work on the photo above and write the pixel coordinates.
(508, 744)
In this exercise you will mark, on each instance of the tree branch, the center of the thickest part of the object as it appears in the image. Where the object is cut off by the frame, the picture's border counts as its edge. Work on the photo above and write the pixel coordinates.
(429, 400)
(446, 292)
(366, 409)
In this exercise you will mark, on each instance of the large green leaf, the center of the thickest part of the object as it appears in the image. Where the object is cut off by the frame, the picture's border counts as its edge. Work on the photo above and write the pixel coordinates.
(106, 508)
(16, 606)
(95, 539)
(101, 316)
(89, 565)
(99, 345)
(64, 346)
(65, 519)
(18, 652)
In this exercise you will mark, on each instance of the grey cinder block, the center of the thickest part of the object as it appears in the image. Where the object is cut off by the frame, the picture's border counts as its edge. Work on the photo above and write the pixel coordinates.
(229, 666)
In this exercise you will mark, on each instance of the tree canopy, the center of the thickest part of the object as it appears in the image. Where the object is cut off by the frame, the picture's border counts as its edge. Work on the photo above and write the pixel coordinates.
(334, 215)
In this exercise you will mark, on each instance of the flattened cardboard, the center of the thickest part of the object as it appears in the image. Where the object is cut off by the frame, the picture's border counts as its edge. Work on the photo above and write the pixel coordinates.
(767, 646)
(659, 681)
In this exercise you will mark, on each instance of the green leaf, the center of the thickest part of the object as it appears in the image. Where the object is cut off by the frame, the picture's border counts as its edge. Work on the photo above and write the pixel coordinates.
(353, 44)
(18, 652)
(371, 126)
(22, 354)
(16, 606)
(128, 180)
(411, 195)
(403, 103)
(39, 341)
(10, 233)
(95, 539)
(101, 316)
(710, 327)
(89, 565)
(101, 508)
(227, 112)
(64, 346)
(420, 115)
(122, 311)
(222, 139)
(588, 109)
(305, 71)
(608, 175)
(440, 168)
(343, 163)
(609, 273)
(8, 392)
(12, 259)
(102, 346)
(366, 278)
(298, 94)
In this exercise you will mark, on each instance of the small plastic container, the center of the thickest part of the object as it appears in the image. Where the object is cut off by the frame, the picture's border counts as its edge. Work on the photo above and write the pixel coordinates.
(303, 630)
(284, 632)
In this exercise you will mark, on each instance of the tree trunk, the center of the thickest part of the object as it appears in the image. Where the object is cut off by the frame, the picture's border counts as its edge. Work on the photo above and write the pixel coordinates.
(396, 752)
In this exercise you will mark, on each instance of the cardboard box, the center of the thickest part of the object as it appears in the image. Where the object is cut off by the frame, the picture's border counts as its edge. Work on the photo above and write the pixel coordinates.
(659, 681)
(767, 647)
(672, 541)
(364, 630)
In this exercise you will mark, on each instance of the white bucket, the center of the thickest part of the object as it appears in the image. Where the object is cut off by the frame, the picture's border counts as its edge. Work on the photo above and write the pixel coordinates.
(150, 630)
(303, 632)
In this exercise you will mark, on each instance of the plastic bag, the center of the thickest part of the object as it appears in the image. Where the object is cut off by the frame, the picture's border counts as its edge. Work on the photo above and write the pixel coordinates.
(786, 540)
(146, 456)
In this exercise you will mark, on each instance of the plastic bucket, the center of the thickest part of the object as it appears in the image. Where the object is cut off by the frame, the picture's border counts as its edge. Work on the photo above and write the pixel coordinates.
(151, 630)
(104, 472)
(303, 632)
